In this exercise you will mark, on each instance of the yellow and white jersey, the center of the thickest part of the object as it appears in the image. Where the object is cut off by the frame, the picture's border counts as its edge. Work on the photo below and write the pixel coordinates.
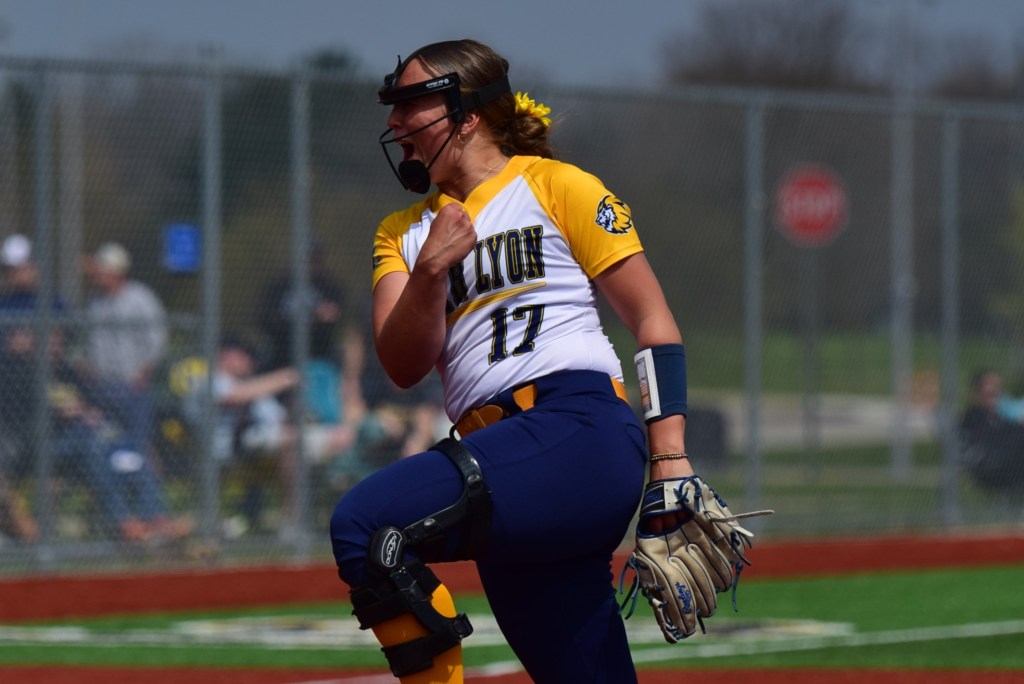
(522, 304)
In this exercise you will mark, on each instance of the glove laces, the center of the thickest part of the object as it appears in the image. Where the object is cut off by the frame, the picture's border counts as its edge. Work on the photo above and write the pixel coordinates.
(736, 541)
(633, 595)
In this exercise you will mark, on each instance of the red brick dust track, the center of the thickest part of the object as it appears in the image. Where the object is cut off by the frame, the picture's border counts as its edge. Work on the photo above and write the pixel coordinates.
(82, 596)
(188, 675)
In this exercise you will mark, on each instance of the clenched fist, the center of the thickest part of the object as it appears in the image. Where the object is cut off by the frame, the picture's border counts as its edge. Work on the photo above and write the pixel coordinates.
(452, 237)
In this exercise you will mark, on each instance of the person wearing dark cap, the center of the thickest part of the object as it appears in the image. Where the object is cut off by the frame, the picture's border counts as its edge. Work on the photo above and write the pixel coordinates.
(282, 305)
(252, 422)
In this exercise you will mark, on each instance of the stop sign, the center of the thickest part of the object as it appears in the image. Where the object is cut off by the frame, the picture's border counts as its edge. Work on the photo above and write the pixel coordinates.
(810, 206)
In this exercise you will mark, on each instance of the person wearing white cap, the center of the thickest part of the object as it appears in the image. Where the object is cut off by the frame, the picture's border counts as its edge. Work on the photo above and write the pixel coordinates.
(21, 276)
(17, 303)
(126, 489)
(16, 251)
(126, 341)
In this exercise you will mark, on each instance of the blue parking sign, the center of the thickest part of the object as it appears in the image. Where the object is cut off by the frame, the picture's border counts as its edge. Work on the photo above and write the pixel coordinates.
(182, 248)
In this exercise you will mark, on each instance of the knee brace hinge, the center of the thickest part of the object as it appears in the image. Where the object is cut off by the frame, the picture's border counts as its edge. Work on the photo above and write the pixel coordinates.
(403, 587)
(473, 506)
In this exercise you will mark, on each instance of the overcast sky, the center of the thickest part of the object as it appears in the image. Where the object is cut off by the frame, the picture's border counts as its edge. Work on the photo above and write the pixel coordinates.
(583, 42)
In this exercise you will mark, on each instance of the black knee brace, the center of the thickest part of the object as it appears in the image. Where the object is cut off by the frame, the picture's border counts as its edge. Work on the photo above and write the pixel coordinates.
(399, 586)
(474, 506)
(405, 586)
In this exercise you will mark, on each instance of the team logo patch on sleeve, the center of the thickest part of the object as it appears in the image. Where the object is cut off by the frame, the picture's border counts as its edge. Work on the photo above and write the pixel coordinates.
(613, 215)
(377, 259)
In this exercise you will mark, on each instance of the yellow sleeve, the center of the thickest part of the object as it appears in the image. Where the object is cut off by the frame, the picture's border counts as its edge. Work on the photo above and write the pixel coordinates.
(387, 243)
(597, 225)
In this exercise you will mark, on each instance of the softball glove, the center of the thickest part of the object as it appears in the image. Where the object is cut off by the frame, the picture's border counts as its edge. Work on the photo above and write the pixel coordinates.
(697, 553)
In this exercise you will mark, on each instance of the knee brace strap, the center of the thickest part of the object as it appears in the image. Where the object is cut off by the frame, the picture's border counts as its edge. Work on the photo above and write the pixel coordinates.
(474, 505)
(401, 587)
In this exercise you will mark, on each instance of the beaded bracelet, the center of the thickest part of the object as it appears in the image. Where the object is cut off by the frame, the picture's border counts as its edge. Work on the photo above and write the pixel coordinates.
(668, 456)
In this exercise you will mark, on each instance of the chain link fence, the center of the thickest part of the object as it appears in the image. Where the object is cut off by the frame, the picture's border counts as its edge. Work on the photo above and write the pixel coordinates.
(841, 268)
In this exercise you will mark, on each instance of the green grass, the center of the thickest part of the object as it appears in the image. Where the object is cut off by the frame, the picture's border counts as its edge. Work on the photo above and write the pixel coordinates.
(848, 362)
(842, 489)
(896, 600)
(888, 602)
(198, 655)
(880, 603)
(989, 653)
(850, 490)
(194, 656)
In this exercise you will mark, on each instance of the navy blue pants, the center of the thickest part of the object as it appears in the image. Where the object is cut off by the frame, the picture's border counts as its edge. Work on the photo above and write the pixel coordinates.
(565, 477)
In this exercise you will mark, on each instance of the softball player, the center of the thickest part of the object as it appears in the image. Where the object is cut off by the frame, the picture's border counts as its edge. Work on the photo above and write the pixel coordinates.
(493, 279)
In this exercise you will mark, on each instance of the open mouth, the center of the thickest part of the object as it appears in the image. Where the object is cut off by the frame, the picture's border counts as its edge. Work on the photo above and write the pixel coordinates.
(407, 151)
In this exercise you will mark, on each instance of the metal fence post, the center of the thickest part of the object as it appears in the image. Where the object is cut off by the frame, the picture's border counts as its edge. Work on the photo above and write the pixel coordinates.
(211, 304)
(753, 323)
(42, 324)
(10, 194)
(72, 181)
(950, 373)
(301, 246)
(902, 263)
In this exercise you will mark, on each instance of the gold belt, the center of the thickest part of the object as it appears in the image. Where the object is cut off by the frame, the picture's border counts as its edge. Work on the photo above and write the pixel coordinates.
(525, 398)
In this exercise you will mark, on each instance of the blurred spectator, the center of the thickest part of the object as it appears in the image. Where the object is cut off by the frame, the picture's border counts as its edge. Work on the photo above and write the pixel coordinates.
(995, 445)
(333, 399)
(249, 420)
(280, 307)
(1011, 408)
(21, 276)
(21, 284)
(126, 341)
(82, 443)
(420, 407)
(17, 305)
(248, 414)
(253, 423)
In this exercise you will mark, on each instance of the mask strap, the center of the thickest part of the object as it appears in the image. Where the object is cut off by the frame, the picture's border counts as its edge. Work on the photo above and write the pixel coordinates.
(413, 174)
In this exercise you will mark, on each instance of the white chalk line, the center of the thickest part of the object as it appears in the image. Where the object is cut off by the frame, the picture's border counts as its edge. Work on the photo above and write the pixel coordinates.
(683, 651)
(691, 651)
(897, 636)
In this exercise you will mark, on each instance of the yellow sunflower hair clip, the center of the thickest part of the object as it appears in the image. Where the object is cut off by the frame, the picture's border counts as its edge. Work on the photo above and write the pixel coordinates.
(527, 107)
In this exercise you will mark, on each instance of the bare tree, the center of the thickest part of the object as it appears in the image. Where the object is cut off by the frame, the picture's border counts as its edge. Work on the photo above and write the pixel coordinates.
(970, 71)
(773, 43)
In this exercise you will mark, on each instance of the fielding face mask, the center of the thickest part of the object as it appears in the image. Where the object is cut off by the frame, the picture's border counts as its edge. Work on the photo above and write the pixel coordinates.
(413, 174)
